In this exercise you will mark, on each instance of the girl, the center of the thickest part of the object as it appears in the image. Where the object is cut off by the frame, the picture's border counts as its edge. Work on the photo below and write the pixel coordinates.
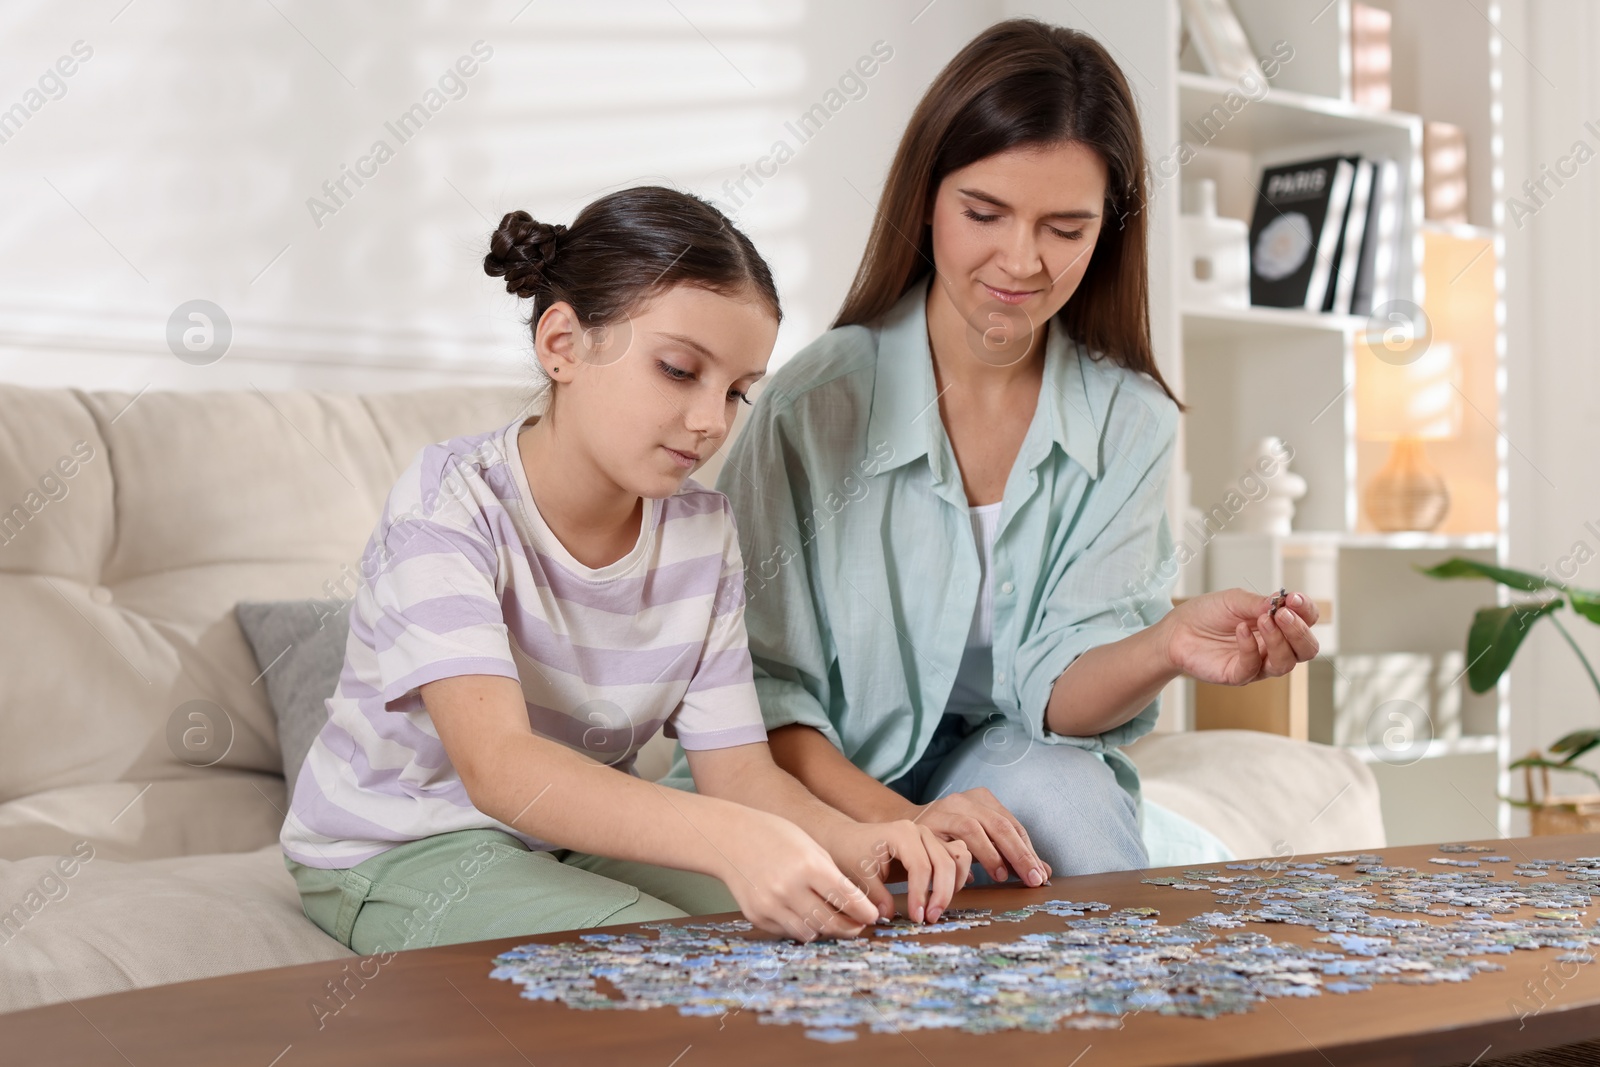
(539, 599)
(953, 502)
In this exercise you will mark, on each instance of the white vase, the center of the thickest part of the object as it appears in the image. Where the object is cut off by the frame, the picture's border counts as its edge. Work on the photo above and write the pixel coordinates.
(1215, 250)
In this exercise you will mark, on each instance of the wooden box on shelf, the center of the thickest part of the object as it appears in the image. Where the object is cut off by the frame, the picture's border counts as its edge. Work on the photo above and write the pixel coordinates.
(1273, 705)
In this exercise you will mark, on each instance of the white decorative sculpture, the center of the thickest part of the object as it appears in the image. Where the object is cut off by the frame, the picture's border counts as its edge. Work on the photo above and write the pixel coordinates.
(1269, 489)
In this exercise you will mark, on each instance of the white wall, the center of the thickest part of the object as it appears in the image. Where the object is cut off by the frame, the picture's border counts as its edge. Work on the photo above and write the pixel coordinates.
(1553, 295)
(178, 162)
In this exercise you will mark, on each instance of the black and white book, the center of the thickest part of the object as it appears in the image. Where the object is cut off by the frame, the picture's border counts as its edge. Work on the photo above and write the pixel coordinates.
(1342, 286)
(1380, 244)
(1294, 234)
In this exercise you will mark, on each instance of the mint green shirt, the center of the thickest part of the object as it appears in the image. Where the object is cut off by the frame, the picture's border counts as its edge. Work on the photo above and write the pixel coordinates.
(861, 574)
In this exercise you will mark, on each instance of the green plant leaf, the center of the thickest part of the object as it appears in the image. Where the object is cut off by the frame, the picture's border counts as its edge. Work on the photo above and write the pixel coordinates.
(1585, 603)
(1456, 567)
(1495, 636)
(1576, 743)
(1554, 765)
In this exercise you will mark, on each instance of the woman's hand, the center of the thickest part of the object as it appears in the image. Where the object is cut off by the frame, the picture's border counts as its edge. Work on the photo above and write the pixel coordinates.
(786, 883)
(934, 868)
(991, 833)
(1233, 637)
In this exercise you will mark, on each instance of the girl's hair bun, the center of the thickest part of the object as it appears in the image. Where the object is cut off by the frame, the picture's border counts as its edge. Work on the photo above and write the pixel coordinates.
(521, 251)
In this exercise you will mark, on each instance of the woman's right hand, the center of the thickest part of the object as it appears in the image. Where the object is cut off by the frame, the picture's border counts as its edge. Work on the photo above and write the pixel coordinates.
(786, 883)
(992, 834)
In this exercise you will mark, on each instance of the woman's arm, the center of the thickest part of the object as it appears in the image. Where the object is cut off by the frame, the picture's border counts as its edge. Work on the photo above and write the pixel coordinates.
(782, 880)
(991, 833)
(1229, 638)
(1109, 684)
(828, 773)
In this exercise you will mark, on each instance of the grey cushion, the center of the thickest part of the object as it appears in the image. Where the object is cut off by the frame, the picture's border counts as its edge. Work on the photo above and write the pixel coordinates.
(300, 646)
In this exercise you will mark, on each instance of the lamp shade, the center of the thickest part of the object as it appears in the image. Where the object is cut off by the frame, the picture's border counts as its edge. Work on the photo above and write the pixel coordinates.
(1420, 399)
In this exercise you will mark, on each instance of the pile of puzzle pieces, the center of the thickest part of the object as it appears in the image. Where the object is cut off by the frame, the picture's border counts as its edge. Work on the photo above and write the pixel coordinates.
(1096, 969)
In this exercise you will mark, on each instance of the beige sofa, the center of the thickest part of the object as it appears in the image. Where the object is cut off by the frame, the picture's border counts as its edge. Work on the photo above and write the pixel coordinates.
(130, 526)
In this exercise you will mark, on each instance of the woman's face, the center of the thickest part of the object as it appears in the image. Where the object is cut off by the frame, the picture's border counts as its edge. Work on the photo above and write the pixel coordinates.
(1013, 233)
(650, 398)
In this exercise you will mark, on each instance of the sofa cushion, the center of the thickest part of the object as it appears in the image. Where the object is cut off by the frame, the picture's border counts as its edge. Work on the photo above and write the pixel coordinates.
(299, 646)
(119, 644)
(1261, 794)
(314, 633)
(223, 812)
(107, 926)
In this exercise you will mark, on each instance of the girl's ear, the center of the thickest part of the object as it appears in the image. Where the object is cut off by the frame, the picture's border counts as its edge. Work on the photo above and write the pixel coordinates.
(556, 341)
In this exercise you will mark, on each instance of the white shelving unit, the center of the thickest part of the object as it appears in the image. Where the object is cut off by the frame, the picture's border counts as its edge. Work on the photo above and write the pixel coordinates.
(1395, 636)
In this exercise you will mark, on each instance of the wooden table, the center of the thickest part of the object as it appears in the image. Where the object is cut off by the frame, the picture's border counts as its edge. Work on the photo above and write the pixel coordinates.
(438, 1006)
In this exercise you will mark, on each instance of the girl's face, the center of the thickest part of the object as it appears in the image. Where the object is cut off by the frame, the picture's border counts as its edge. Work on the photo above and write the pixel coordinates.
(1013, 233)
(651, 397)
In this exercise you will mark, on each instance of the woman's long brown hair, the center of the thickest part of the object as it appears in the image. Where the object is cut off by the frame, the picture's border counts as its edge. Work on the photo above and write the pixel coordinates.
(1023, 82)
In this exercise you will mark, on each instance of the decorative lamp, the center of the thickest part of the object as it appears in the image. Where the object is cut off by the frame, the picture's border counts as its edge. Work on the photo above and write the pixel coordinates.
(1408, 399)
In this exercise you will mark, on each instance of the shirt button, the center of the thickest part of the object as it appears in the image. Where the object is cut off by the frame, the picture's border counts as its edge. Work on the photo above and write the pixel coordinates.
(1006, 588)
(1000, 678)
(100, 595)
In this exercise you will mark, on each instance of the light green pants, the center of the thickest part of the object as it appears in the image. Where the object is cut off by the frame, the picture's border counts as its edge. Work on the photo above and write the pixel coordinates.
(474, 885)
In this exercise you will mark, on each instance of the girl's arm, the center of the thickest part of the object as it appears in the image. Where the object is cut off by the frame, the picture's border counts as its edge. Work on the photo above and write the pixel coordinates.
(1229, 638)
(934, 868)
(782, 880)
(975, 817)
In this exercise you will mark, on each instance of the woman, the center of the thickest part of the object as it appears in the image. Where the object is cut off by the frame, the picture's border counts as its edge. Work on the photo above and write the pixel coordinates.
(944, 501)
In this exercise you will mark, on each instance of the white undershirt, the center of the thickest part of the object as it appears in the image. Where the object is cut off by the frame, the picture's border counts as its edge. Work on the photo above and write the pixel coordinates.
(972, 694)
(985, 521)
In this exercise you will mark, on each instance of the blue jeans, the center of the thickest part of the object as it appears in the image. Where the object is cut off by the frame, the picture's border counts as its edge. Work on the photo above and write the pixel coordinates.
(1080, 820)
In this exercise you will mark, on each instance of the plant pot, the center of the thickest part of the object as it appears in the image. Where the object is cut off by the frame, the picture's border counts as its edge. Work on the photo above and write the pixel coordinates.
(1578, 814)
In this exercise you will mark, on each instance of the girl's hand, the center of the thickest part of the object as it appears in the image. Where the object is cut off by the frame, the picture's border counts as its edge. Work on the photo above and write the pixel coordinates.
(785, 883)
(934, 868)
(992, 835)
(1232, 637)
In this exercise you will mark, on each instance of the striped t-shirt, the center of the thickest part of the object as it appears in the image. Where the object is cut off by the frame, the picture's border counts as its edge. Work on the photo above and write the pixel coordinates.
(463, 576)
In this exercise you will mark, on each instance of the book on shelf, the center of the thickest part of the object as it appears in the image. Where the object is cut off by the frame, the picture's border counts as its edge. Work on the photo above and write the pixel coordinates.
(1325, 235)
(1341, 287)
(1380, 244)
(1294, 233)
